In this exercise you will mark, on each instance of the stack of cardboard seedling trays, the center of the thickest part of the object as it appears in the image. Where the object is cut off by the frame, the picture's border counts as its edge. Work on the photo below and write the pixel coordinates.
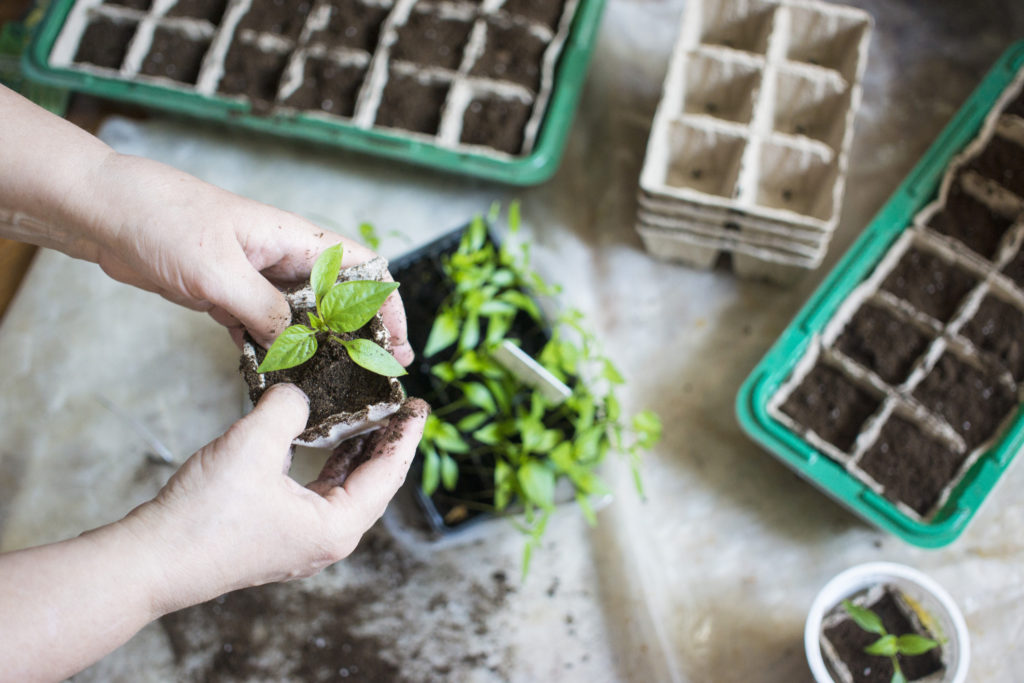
(897, 389)
(485, 87)
(748, 149)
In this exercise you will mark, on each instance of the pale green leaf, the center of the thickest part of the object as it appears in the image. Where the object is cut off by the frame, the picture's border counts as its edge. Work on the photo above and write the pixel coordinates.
(449, 439)
(443, 333)
(538, 484)
(514, 217)
(897, 673)
(489, 434)
(914, 644)
(884, 646)
(865, 618)
(472, 422)
(449, 472)
(612, 374)
(369, 235)
(431, 471)
(294, 346)
(350, 305)
(366, 354)
(470, 334)
(325, 271)
(647, 425)
(478, 395)
(585, 507)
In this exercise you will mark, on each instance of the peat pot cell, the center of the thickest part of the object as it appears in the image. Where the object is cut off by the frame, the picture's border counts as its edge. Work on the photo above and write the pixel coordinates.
(1015, 269)
(328, 86)
(721, 88)
(796, 180)
(141, 5)
(280, 17)
(739, 24)
(175, 55)
(105, 42)
(511, 53)
(411, 104)
(704, 159)
(496, 123)
(1002, 161)
(830, 405)
(250, 71)
(813, 107)
(825, 38)
(968, 220)
(849, 640)
(210, 10)
(881, 342)
(352, 24)
(913, 467)
(973, 402)
(998, 328)
(930, 284)
(546, 12)
(432, 40)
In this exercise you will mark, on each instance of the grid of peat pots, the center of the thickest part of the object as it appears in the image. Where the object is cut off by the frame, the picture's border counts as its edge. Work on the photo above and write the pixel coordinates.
(748, 149)
(922, 366)
(462, 74)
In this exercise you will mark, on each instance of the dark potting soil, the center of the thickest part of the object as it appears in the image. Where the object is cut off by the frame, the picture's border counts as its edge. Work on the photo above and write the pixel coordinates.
(831, 405)
(250, 71)
(281, 17)
(411, 104)
(105, 42)
(210, 10)
(1015, 269)
(328, 86)
(333, 383)
(511, 53)
(352, 24)
(546, 12)
(1001, 160)
(913, 467)
(880, 341)
(849, 640)
(968, 220)
(498, 123)
(931, 284)
(973, 402)
(431, 40)
(175, 55)
(998, 328)
(141, 5)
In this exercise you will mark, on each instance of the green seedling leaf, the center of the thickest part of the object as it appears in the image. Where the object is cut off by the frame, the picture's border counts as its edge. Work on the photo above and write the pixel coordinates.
(914, 644)
(470, 336)
(316, 322)
(503, 277)
(449, 439)
(366, 354)
(612, 374)
(586, 509)
(478, 395)
(497, 329)
(443, 334)
(477, 235)
(444, 372)
(472, 422)
(431, 471)
(504, 483)
(521, 301)
(495, 307)
(865, 618)
(884, 646)
(897, 672)
(538, 484)
(369, 235)
(514, 217)
(350, 305)
(294, 346)
(325, 271)
(488, 434)
(647, 425)
(449, 472)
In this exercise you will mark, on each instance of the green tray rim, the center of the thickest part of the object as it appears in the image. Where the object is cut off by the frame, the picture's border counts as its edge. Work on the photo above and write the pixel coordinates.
(917, 188)
(532, 169)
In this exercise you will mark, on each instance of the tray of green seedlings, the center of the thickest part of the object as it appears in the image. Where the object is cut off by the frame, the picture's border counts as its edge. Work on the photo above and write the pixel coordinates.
(897, 388)
(484, 88)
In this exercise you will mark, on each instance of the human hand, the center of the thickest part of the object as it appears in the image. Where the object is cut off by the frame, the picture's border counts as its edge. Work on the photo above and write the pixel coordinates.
(232, 518)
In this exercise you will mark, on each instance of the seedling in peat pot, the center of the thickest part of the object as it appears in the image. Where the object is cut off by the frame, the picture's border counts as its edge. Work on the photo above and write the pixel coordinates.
(341, 307)
(888, 645)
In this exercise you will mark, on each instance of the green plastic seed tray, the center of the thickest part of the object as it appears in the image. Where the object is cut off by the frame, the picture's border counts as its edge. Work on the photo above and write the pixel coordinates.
(938, 275)
(335, 77)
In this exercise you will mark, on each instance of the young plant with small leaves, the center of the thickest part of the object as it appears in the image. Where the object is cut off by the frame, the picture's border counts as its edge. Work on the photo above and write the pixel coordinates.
(496, 427)
(341, 308)
(888, 645)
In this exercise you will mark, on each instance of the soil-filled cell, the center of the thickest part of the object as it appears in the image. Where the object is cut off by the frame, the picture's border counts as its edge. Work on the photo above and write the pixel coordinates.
(210, 10)
(105, 42)
(352, 24)
(410, 104)
(1015, 269)
(546, 12)
(968, 220)
(328, 86)
(496, 123)
(174, 55)
(431, 40)
(252, 72)
(141, 5)
(913, 467)
(511, 53)
(280, 17)
(849, 640)
(830, 405)
(931, 284)
(1003, 161)
(998, 328)
(881, 342)
(973, 402)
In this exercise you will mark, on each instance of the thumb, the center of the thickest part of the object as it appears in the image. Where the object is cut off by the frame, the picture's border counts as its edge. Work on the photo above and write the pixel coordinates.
(257, 304)
(267, 432)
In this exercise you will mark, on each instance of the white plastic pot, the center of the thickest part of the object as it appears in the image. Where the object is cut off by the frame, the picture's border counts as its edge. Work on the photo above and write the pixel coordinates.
(942, 615)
